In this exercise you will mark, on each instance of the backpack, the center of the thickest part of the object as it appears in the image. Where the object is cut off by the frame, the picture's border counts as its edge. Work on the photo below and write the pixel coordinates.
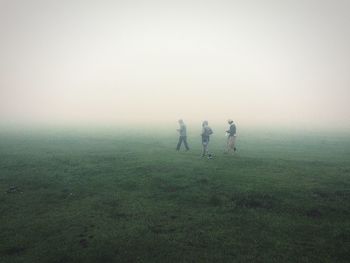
(208, 131)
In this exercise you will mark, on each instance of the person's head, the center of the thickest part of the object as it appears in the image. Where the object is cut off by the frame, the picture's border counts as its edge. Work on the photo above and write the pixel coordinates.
(230, 121)
(205, 123)
(181, 121)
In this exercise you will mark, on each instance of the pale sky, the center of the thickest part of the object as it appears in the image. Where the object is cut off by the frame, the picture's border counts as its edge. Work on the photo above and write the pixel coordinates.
(258, 62)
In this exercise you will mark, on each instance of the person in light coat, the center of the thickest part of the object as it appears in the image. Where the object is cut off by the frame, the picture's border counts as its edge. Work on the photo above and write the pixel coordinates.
(231, 137)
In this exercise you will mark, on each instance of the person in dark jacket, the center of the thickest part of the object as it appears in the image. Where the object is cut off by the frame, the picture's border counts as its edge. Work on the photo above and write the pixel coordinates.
(206, 132)
(183, 136)
(231, 139)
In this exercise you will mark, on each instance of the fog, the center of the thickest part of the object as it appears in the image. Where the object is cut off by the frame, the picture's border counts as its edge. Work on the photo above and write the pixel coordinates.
(278, 63)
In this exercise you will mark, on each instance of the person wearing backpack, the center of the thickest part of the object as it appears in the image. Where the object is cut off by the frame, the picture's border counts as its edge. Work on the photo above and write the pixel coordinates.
(183, 136)
(206, 132)
(231, 139)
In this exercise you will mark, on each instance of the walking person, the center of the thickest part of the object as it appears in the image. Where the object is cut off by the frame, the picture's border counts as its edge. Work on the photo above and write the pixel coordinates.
(231, 139)
(206, 132)
(183, 136)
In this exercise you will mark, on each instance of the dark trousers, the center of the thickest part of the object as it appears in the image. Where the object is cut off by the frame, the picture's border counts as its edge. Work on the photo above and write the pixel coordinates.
(182, 139)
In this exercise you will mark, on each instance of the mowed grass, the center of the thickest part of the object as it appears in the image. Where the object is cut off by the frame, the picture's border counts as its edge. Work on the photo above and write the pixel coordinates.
(83, 196)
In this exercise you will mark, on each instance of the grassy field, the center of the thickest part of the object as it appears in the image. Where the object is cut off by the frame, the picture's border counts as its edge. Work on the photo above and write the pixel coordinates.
(105, 196)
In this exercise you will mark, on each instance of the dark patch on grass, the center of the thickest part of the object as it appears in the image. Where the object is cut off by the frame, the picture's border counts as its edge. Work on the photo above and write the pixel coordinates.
(83, 243)
(161, 228)
(110, 257)
(343, 237)
(203, 181)
(156, 228)
(314, 213)
(321, 194)
(166, 186)
(161, 225)
(336, 195)
(170, 188)
(16, 250)
(129, 185)
(117, 214)
(215, 200)
(63, 259)
(253, 200)
(112, 203)
(114, 209)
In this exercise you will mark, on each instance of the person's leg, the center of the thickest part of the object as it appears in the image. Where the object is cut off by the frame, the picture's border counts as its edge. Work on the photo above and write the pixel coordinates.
(204, 151)
(185, 142)
(233, 143)
(227, 145)
(208, 153)
(179, 143)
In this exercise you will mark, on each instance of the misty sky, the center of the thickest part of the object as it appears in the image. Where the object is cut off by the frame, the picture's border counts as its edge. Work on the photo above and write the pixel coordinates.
(258, 62)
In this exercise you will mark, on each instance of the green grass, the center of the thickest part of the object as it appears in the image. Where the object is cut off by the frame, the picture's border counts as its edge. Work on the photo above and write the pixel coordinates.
(105, 197)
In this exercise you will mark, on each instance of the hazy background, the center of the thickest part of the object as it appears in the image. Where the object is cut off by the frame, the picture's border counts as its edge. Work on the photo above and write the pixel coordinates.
(280, 63)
